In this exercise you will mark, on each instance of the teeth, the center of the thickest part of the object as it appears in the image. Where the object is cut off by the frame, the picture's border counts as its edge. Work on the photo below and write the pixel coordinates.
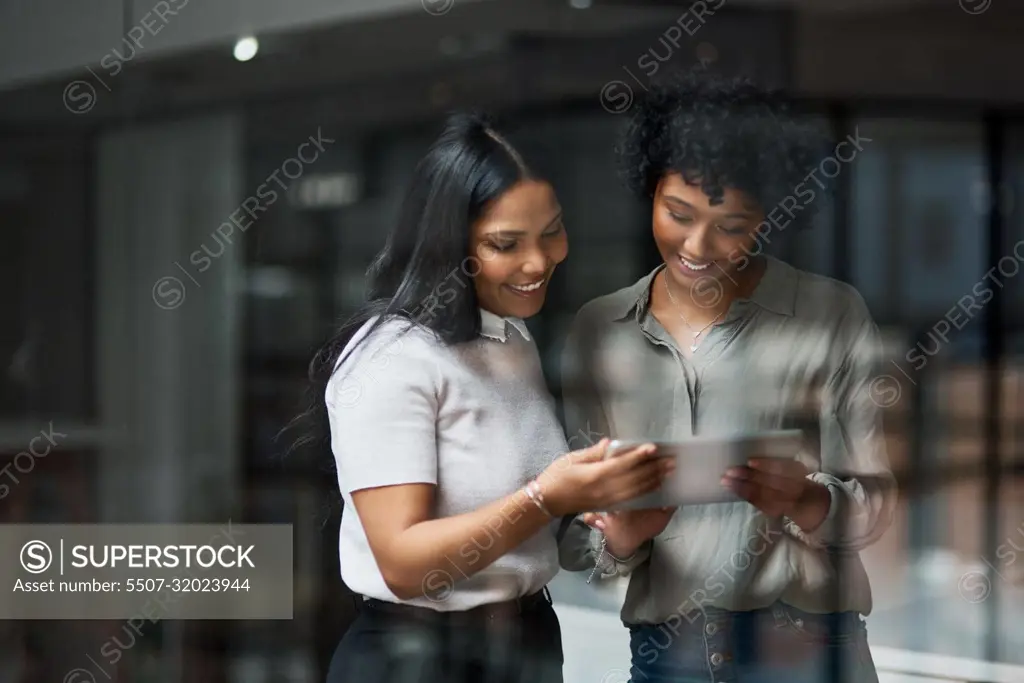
(694, 266)
(528, 288)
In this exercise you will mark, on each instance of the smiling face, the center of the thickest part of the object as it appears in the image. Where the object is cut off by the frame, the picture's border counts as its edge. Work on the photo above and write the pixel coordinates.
(697, 240)
(519, 240)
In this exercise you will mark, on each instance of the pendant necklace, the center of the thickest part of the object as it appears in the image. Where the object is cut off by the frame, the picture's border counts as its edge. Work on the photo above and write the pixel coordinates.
(696, 337)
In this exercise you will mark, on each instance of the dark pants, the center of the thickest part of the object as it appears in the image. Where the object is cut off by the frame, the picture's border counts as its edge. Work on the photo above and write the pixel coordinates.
(778, 644)
(404, 644)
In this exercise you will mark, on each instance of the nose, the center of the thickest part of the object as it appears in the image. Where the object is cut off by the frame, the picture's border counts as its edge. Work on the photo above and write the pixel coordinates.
(536, 263)
(698, 240)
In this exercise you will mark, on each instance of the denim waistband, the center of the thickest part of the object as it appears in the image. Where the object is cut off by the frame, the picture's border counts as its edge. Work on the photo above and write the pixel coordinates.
(710, 645)
(834, 627)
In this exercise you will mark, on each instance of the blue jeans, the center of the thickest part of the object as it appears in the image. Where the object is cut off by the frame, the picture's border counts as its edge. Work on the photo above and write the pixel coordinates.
(778, 644)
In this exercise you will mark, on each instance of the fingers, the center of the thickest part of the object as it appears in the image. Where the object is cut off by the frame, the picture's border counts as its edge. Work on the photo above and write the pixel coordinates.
(777, 485)
(631, 458)
(783, 467)
(644, 477)
(768, 500)
(641, 475)
(643, 486)
(744, 489)
(641, 457)
(593, 453)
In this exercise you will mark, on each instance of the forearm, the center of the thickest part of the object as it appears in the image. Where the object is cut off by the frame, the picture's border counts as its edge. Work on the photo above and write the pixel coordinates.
(859, 512)
(431, 555)
(812, 510)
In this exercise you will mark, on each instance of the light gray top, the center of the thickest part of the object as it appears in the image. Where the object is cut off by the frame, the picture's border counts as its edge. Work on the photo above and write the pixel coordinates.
(800, 353)
(476, 420)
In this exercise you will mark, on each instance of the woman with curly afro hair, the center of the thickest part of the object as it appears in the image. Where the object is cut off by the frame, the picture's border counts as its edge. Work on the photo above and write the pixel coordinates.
(759, 577)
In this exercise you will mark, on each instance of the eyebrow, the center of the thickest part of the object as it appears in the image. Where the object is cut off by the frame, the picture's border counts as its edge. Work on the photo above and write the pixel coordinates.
(501, 232)
(677, 200)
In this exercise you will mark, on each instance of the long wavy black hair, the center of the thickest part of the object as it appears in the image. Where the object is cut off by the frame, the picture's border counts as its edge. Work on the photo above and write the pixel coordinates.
(466, 169)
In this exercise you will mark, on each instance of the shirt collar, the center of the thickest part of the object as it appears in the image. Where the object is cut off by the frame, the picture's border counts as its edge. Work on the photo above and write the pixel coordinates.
(495, 326)
(776, 292)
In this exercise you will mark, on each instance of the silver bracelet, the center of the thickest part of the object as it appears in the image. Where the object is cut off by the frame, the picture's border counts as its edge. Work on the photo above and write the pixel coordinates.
(597, 562)
(537, 498)
(604, 551)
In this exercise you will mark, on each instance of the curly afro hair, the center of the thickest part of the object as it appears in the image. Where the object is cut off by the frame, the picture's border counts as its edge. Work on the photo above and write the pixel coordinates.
(723, 132)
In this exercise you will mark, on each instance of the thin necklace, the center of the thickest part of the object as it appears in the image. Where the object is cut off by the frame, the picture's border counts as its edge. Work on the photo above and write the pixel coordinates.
(696, 337)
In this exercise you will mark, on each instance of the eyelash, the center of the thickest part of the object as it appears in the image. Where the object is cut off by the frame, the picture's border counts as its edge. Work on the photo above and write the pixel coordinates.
(509, 247)
(678, 218)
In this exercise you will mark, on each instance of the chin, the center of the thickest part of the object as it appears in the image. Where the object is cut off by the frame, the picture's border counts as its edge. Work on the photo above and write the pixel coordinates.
(525, 311)
(521, 306)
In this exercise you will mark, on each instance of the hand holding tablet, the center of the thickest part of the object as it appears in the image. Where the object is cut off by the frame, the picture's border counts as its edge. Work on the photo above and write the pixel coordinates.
(717, 469)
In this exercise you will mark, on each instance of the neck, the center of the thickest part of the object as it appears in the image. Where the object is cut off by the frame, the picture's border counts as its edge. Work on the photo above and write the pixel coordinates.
(707, 298)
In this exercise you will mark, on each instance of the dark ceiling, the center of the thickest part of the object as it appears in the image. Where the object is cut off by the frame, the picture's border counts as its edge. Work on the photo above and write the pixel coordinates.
(393, 67)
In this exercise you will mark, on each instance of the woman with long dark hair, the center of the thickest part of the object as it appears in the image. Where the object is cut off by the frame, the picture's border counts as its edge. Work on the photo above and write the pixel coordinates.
(721, 339)
(451, 461)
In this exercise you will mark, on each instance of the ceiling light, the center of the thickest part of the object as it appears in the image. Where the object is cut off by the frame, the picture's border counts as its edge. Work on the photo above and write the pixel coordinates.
(246, 48)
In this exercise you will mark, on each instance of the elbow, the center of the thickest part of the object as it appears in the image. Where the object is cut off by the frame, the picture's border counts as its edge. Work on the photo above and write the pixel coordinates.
(886, 516)
(402, 588)
(404, 584)
(877, 520)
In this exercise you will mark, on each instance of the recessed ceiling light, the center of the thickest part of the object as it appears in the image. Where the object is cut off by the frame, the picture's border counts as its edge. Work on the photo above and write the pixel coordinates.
(246, 48)
(580, 4)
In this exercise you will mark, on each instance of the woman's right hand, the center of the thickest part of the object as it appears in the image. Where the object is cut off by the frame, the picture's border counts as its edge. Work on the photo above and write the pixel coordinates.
(584, 481)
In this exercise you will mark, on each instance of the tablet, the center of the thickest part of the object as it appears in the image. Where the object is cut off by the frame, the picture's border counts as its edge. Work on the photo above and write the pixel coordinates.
(702, 461)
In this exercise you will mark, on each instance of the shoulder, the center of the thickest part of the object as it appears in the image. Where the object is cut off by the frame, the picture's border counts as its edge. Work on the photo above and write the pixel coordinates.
(382, 366)
(839, 311)
(611, 307)
(395, 347)
(822, 298)
(395, 336)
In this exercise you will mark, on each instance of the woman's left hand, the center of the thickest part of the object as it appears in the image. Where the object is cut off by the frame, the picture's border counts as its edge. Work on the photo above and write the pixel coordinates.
(780, 487)
(626, 530)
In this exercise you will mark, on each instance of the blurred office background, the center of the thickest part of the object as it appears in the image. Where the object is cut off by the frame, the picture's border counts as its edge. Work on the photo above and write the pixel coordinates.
(169, 356)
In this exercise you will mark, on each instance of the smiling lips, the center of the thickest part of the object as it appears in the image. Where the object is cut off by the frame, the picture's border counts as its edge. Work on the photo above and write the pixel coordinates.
(694, 265)
(526, 289)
